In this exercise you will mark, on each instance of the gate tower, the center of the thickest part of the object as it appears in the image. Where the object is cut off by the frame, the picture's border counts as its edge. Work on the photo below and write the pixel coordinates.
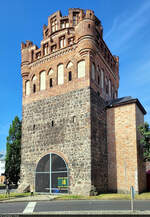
(67, 83)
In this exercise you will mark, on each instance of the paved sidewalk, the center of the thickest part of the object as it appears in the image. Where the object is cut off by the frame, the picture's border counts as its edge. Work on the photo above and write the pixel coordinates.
(44, 197)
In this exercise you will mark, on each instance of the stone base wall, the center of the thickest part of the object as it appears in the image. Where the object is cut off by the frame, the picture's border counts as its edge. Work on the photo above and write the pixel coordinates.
(59, 124)
(98, 143)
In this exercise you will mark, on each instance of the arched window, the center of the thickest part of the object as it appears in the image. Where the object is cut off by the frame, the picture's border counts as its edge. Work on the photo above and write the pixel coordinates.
(34, 88)
(93, 71)
(42, 81)
(27, 88)
(51, 174)
(69, 65)
(62, 42)
(69, 76)
(34, 78)
(81, 69)
(51, 82)
(60, 74)
(50, 72)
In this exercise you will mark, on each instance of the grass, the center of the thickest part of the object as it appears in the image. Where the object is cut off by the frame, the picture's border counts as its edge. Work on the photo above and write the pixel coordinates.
(143, 196)
(13, 195)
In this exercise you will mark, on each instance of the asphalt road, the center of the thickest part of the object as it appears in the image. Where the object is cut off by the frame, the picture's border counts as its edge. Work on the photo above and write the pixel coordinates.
(78, 205)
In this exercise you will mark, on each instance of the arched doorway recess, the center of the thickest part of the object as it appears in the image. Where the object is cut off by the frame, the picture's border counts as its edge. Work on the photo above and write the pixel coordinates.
(51, 174)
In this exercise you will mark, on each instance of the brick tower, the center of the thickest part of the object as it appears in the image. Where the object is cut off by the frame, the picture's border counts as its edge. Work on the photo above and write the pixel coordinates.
(67, 83)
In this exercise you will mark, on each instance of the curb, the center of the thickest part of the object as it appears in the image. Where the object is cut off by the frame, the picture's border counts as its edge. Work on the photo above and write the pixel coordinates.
(26, 199)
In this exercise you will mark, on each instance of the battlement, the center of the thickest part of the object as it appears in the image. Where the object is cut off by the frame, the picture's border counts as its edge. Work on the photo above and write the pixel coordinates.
(28, 44)
(66, 31)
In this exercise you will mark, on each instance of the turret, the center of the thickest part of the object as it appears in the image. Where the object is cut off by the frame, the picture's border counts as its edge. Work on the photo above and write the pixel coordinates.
(25, 57)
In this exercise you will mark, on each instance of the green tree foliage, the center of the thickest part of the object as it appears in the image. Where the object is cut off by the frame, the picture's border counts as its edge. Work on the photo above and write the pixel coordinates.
(145, 140)
(13, 152)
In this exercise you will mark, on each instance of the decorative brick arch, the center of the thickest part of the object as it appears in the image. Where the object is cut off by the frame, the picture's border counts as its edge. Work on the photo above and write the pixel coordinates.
(55, 152)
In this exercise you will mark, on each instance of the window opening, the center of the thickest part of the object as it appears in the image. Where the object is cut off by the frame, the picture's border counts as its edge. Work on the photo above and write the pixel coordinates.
(70, 76)
(71, 41)
(34, 88)
(51, 82)
(75, 18)
(53, 48)
(54, 24)
(62, 42)
(52, 123)
(46, 49)
(74, 119)
(32, 55)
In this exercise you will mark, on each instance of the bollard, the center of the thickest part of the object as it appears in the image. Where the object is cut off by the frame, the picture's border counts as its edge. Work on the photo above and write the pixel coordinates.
(132, 198)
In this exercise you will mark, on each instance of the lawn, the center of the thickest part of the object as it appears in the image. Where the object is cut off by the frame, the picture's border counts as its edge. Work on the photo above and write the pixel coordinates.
(143, 196)
(13, 195)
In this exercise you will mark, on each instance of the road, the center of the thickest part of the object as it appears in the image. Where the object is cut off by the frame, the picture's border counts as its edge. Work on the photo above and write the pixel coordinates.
(77, 205)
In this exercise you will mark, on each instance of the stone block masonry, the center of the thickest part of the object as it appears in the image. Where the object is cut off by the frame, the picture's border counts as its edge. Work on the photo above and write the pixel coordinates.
(69, 136)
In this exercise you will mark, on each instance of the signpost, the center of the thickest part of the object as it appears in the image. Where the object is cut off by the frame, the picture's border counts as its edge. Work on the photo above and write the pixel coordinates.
(132, 197)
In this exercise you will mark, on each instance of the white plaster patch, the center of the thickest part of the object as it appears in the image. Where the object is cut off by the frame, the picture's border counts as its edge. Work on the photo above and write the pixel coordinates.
(42, 81)
(60, 74)
(27, 87)
(81, 69)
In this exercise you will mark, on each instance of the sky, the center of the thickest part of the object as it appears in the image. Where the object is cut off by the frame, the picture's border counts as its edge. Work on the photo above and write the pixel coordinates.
(126, 27)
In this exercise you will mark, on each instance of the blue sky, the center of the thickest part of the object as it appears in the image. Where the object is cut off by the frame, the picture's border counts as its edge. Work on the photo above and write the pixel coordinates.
(126, 31)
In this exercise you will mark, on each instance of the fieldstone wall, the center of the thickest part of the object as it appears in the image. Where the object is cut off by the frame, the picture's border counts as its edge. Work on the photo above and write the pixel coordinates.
(99, 164)
(70, 137)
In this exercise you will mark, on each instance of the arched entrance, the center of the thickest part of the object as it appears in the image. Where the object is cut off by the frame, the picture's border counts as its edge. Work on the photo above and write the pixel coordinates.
(51, 174)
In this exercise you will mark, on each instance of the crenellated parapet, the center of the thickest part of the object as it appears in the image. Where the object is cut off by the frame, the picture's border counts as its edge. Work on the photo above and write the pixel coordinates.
(64, 31)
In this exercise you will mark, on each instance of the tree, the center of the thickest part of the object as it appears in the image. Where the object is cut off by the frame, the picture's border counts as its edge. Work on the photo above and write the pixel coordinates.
(145, 140)
(13, 152)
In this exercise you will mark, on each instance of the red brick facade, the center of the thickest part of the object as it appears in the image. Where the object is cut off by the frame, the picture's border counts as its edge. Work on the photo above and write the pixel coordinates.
(125, 155)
